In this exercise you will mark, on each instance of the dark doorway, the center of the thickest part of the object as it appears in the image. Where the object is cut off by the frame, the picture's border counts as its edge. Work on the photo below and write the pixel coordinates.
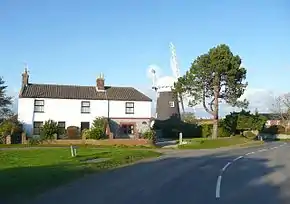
(85, 125)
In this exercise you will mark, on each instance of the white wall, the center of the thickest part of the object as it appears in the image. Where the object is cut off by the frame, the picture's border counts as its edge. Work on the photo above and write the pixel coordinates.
(142, 109)
(69, 111)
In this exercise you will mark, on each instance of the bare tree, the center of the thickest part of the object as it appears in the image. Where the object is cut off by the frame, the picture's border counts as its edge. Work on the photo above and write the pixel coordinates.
(281, 108)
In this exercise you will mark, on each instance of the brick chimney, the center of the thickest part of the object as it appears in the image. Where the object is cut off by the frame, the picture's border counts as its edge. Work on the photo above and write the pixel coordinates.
(101, 82)
(25, 77)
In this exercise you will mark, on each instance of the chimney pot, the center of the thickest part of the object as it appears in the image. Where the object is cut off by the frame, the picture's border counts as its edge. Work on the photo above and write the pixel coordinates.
(25, 77)
(101, 82)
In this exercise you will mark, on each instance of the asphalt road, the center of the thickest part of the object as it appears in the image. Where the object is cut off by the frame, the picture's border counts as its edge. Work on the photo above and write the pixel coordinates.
(251, 175)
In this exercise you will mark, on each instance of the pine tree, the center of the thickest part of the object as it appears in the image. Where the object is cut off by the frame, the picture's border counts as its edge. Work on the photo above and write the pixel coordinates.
(5, 101)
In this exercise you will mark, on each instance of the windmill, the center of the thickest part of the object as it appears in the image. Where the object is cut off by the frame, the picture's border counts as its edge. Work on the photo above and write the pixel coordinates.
(167, 104)
(175, 70)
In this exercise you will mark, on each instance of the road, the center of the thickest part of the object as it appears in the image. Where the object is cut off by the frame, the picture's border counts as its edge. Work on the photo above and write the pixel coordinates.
(249, 175)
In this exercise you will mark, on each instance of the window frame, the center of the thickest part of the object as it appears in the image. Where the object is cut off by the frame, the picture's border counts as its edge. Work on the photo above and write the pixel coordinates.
(171, 104)
(129, 130)
(34, 127)
(62, 122)
(83, 106)
(62, 129)
(129, 106)
(82, 125)
(37, 105)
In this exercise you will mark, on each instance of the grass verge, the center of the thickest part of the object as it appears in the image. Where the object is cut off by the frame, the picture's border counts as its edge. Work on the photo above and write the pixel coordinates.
(202, 143)
(25, 173)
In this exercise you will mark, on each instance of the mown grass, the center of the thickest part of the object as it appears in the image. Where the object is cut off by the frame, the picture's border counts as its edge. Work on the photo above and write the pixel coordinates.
(206, 143)
(27, 172)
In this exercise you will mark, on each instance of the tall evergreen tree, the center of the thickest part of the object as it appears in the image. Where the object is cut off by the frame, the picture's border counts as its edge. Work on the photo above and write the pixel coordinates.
(214, 76)
(5, 101)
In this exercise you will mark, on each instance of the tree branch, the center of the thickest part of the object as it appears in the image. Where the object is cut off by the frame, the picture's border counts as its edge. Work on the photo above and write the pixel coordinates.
(211, 105)
(204, 104)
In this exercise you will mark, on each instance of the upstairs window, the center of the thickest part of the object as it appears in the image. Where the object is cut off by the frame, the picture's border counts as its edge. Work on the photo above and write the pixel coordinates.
(129, 108)
(86, 107)
(38, 106)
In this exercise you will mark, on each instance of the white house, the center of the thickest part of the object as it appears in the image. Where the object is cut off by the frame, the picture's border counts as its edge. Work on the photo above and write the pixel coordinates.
(128, 110)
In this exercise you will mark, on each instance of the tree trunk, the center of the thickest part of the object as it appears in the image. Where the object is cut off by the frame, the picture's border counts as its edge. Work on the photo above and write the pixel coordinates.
(215, 113)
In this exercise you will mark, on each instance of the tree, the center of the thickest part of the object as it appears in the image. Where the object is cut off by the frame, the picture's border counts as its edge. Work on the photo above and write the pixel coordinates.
(213, 77)
(5, 101)
(189, 117)
(281, 108)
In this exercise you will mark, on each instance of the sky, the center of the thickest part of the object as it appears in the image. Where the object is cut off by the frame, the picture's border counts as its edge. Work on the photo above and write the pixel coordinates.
(72, 42)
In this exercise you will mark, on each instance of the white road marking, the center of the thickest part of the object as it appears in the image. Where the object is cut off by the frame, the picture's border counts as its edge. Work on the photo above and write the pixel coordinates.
(238, 158)
(218, 186)
(262, 150)
(219, 180)
(226, 166)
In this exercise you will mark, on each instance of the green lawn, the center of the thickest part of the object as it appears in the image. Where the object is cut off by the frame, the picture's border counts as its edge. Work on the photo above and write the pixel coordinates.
(204, 143)
(27, 172)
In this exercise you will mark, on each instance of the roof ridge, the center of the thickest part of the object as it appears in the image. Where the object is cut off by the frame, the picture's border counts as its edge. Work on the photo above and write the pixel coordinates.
(74, 85)
(64, 91)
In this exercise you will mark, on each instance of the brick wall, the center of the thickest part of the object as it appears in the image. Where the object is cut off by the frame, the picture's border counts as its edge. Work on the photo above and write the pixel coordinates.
(128, 142)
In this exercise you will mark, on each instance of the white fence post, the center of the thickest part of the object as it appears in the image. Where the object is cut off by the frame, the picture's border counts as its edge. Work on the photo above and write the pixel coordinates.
(180, 138)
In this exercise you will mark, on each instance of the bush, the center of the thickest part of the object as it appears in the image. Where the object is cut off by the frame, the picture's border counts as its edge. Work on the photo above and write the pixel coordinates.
(249, 135)
(73, 132)
(96, 133)
(10, 127)
(206, 130)
(223, 132)
(98, 130)
(85, 134)
(274, 129)
(49, 130)
(149, 134)
(34, 141)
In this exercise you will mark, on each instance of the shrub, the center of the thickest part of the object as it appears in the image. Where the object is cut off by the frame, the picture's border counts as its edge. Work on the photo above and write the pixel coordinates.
(149, 134)
(223, 132)
(206, 130)
(34, 141)
(274, 129)
(49, 130)
(73, 132)
(9, 127)
(96, 133)
(98, 130)
(249, 135)
(85, 133)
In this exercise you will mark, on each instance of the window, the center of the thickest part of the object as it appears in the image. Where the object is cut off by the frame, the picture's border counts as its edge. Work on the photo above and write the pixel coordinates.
(127, 128)
(171, 104)
(61, 127)
(36, 128)
(85, 125)
(85, 107)
(39, 106)
(129, 108)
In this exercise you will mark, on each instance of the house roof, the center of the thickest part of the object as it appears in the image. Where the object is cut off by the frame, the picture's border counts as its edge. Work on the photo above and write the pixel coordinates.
(82, 92)
(272, 116)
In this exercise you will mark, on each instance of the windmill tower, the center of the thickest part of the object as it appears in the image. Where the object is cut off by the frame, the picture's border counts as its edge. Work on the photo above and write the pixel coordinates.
(167, 102)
